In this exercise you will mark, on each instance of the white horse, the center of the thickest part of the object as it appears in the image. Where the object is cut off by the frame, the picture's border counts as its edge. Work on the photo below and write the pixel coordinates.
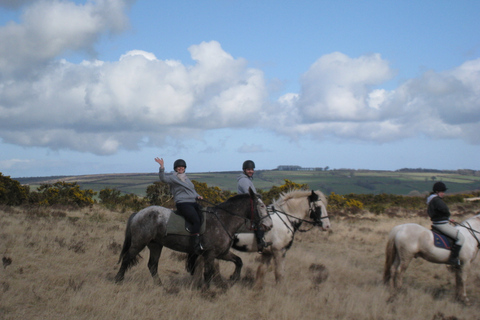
(408, 241)
(290, 211)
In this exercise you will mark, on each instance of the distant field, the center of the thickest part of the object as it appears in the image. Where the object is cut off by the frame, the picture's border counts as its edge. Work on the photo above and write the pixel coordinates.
(338, 181)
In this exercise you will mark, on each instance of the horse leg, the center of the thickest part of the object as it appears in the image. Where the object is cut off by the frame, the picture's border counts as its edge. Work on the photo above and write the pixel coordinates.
(230, 256)
(460, 280)
(209, 270)
(262, 267)
(279, 258)
(400, 265)
(155, 253)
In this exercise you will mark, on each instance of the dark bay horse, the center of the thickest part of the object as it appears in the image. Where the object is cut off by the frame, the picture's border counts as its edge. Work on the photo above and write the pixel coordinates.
(148, 228)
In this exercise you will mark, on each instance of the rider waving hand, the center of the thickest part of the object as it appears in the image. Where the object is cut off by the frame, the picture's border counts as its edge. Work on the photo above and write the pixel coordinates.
(185, 197)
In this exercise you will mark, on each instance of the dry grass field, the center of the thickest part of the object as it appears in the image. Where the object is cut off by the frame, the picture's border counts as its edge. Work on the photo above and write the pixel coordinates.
(60, 264)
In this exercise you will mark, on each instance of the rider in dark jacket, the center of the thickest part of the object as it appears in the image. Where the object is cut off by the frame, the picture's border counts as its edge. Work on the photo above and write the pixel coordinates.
(440, 215)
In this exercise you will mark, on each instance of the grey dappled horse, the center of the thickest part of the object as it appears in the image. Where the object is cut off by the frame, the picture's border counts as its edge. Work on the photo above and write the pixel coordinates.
(148, 228)
(411, 240)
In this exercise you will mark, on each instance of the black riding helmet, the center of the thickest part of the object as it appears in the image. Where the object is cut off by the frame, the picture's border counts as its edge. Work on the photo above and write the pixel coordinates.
(249, 164)
(179, 163)
(439, 187)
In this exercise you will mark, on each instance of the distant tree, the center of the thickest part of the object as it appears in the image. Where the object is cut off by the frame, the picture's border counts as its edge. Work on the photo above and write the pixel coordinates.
(114, 199)
(66, 193)
(211, 195)
(159, 194)
(110, 198)
(12, 193)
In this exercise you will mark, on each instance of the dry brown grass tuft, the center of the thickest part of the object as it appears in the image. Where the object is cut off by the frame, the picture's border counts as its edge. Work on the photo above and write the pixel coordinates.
(61, 264)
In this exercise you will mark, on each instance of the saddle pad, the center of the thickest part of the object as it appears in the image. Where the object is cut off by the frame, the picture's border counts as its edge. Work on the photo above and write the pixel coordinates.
(176, 224)
(442, 241)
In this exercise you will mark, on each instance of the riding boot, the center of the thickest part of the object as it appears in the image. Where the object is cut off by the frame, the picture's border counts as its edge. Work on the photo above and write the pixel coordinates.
(197, 244)
(453, 259)
(261, 244)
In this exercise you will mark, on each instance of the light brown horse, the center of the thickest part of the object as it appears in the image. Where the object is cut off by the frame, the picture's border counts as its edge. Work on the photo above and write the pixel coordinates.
(408, 241)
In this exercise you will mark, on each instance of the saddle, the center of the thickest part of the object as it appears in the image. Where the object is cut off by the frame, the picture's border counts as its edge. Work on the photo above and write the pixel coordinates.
(441, 240)
(178, 225)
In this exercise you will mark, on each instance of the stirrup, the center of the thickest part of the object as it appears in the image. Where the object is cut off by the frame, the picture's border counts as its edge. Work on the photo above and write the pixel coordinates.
(455, 263)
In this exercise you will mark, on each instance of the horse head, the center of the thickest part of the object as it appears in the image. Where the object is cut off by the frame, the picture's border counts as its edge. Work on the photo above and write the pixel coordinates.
(263, 219)
(318, 210)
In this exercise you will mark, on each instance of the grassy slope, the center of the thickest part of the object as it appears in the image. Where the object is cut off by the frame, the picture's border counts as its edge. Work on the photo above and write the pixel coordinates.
(338, 181)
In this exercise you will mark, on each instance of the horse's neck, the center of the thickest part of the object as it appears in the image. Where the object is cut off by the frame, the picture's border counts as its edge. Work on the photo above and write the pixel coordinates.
(293, 207)
(235, 216)
(473, 223)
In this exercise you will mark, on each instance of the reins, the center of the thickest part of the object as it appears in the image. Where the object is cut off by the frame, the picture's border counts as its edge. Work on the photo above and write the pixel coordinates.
(472, 231)
(251, 219)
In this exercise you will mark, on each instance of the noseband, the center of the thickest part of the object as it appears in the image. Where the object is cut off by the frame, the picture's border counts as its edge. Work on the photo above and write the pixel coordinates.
(255, 218)
(315, 211)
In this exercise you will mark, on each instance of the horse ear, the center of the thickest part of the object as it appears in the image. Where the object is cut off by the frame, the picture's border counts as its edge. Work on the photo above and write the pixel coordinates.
(313, 197)
(250, 191)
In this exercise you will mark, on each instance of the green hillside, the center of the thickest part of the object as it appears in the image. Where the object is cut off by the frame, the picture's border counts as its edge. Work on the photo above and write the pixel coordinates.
(338, 181)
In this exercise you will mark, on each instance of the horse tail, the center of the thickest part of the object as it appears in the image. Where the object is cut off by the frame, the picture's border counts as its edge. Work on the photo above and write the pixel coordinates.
(390, 254)
(128, 240)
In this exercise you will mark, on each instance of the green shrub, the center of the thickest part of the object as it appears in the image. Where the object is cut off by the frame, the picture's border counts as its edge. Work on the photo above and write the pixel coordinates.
(12, 193)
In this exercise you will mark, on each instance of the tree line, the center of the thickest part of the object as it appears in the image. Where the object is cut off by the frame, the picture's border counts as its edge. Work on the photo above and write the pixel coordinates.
(12, 193)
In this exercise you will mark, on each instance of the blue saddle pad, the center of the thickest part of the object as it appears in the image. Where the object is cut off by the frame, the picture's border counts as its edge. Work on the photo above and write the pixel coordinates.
(442, 241)
(177, 224)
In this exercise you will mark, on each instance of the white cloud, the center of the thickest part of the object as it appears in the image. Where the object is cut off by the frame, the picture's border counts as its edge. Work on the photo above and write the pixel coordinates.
(100, 107)
(251, 148)
(50, 28)
(103, 106)
(12, 163)
(339, 98)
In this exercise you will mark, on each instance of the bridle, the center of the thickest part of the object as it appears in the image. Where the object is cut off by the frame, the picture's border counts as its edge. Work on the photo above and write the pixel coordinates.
(315, 214)
(253, 220)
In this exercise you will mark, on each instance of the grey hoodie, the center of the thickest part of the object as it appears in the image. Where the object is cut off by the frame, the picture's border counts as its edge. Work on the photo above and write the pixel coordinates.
(183, 191)
(243, 183)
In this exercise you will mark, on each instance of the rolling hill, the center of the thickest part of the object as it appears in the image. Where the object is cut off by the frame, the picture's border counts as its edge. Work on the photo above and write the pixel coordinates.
(341, 181)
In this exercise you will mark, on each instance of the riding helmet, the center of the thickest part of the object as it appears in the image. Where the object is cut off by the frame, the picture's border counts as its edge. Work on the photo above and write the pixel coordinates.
(249, 164)
(179, 163)
(439, 187)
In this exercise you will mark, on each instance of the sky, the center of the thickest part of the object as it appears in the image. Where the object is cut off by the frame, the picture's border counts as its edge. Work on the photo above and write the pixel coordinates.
(96, 87)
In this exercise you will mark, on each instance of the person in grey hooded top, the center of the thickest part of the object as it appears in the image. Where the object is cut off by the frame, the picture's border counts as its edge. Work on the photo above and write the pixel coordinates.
(244, 182)
(440, 215)
(185, 198)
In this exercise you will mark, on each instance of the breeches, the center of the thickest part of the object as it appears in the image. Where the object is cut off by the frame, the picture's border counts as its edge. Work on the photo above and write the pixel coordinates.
(450, 231)
(192, 213)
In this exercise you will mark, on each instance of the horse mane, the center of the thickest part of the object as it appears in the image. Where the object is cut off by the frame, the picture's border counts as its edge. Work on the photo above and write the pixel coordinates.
(234, 198)
(295, 194)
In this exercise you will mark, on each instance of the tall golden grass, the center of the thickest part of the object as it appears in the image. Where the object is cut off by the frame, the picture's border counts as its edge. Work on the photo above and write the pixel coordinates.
(60, 264)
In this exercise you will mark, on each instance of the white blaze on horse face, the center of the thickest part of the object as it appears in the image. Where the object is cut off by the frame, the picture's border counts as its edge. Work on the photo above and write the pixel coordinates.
(325, 219)
(263, 213)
